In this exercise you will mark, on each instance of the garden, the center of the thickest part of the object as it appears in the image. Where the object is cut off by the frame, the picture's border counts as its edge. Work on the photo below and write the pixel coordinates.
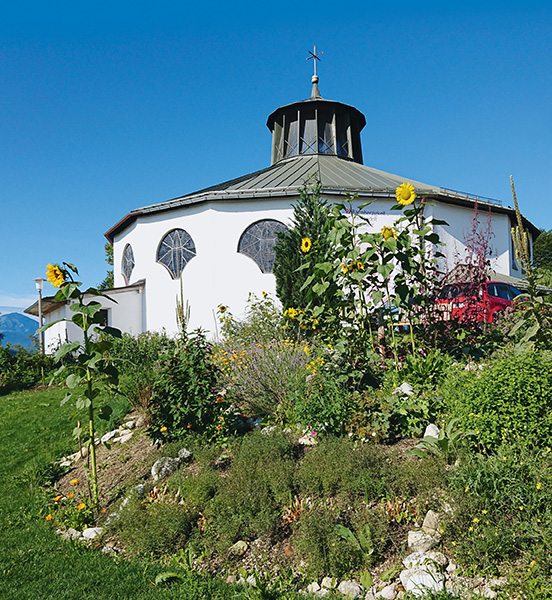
(343, 440)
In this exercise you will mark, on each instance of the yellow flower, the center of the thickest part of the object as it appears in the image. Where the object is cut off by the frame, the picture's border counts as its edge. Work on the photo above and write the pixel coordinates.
(264, 294)
(222, 308)
(388, 232)
(484, 512)
(57, 498)
(291, 313)
(475, 520)
(406, 194)
(539, 486)
(467, 488)
(306, 245)
(163, 429)
(48, 517)
(521, 508)
(55, 275)
(81, 506)
(344, 268)
(73, 482)
(70, 495)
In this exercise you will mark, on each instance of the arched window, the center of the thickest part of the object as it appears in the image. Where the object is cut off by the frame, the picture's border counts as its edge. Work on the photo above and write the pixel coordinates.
(175, 251)
(127, 263)
(258, 242)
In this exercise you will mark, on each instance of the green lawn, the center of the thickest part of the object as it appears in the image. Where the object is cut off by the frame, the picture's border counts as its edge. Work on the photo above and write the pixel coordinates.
(34, 563)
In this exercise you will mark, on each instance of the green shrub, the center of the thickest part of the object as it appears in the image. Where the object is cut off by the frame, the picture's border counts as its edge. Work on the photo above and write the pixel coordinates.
(262, 322)
(263, 377)
(510, 399)
(337, 465)
(320, 545)
(392, 416)
(21, 369)
(425, 372)
(155, 528)
(324, 404)
(138, 360)
(256, 487)
(502, 507)
(185, 397)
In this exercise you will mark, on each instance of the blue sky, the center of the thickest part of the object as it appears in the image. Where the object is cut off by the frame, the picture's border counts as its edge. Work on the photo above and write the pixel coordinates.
(110, 107)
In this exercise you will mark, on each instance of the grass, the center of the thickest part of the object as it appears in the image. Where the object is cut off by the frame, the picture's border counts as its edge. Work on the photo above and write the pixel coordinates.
(34, 562)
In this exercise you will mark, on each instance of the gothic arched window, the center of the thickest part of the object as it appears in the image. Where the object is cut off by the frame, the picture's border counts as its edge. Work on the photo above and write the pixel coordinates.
(258, 242)
(175, 251)
(127, 263)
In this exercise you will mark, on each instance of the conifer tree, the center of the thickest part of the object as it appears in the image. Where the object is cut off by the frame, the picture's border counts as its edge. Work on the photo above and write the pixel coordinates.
(310, 221)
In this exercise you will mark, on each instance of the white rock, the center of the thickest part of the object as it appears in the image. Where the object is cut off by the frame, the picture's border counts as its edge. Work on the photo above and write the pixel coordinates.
(130, 424)
(239, 548)
(124, 438)
(351, 589)
(420, 581)
(108, 436)
(422, 559)
(329, 583)
(312, 588)
(92, 532)
(164, 467)
(431, 431)
(184, 454)
(389, 593)
(405, 389)
(140, 421)
(451, 568)
(432, 522)
(418, 541)
(251, 580)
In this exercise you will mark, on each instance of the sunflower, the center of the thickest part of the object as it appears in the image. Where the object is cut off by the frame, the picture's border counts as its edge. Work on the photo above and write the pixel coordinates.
(306, 245)
(406, 194)
(55, 275)
(222, 308)
(388, 232)
(291, 312)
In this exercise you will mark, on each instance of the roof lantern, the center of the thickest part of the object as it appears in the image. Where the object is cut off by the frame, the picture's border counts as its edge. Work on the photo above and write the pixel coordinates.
(316, 126)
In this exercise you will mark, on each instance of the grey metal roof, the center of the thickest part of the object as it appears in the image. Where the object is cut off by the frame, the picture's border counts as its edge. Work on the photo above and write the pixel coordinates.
(337, 175)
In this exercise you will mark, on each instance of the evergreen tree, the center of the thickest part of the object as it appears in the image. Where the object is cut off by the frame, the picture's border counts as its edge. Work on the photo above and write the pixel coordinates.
(310, 222)
(542, 251)
(107, 283)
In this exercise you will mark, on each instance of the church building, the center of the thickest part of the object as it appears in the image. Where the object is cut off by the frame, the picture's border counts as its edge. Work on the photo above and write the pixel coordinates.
(216, 246)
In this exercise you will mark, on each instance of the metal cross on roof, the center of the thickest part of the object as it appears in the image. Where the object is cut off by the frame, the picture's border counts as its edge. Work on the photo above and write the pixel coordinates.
(314, 55)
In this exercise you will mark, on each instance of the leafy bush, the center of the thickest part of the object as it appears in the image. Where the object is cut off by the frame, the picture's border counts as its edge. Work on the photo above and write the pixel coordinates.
(185, 395)
(21, 368)
(425, 371)
(390, 417)
(262, 322)
(138, 360)
(509, 399)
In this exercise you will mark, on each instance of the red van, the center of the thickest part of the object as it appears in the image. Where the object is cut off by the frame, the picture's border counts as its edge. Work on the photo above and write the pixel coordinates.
(464, 302)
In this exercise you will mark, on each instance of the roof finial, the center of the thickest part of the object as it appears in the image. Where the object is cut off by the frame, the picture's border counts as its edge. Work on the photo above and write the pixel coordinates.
(314, 56)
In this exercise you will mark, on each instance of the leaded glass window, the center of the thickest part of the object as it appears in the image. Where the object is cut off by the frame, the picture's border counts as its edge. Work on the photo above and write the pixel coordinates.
(127, 263)
(258, 242)
(175, 251)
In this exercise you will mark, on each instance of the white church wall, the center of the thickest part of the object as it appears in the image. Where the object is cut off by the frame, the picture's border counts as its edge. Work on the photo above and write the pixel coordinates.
(218, 274)
(457, 232)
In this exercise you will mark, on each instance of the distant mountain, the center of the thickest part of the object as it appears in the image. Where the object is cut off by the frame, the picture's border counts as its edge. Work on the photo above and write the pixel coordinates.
(16, 329)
